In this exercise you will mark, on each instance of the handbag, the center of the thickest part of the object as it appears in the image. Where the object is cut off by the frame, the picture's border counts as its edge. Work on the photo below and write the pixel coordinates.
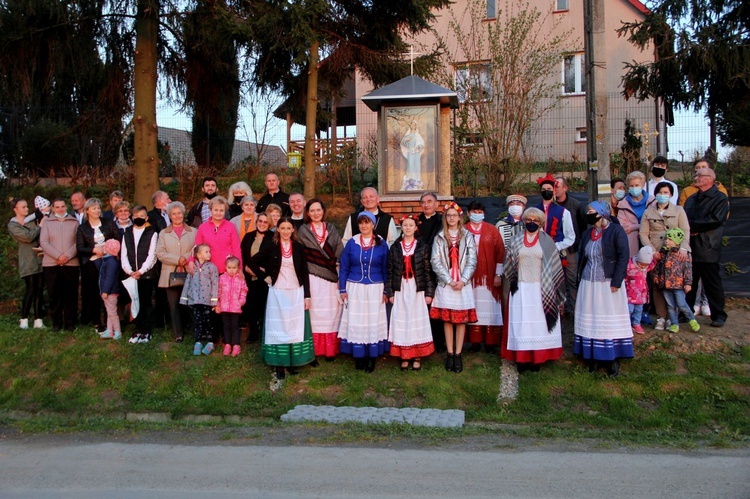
(177, 278)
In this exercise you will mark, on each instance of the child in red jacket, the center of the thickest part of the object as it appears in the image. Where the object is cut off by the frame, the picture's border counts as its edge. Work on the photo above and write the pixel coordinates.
(232, 296)
(636, 285)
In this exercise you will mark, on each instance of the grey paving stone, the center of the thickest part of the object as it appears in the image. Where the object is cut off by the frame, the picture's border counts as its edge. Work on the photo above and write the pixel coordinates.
(373, 415)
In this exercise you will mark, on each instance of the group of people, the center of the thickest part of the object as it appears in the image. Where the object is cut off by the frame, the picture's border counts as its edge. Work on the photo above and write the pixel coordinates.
(279, 268)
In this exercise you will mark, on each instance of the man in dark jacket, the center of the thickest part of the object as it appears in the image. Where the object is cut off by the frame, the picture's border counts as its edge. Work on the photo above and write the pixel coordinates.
(578, 217)
(274, 195)
(158, 217)
(707, 212)
(200, 213)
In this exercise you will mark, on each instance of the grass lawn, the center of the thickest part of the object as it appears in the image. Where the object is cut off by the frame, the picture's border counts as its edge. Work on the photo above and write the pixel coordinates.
(661, 396)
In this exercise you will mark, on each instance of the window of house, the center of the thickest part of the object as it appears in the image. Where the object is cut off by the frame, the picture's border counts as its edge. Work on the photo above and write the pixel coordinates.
(574, 74)
(491, 9)
(560, 5)
(580, 135)
(474, 82)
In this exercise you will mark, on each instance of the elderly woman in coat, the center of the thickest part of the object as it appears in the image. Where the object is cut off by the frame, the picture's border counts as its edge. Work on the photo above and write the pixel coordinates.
(602, 322)
(173, 249)
(658, 219)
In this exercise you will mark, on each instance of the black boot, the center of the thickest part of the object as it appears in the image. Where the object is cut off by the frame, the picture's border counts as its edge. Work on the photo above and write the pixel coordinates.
(280, 374)
(370, 365)
(450, 362)
(613, 369)
(359, 364)
(458, 363)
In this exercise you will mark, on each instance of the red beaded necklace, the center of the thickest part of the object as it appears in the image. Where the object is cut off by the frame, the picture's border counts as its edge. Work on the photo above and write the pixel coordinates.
(533, 240)
(367, 246)
(596, 234)
(408, 247)
(286, 249)
(322, 237)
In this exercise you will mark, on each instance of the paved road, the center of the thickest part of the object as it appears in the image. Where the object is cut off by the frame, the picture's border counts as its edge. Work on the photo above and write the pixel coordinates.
(44, 468)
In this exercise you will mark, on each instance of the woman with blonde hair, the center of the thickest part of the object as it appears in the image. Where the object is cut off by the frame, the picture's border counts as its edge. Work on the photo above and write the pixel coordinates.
(238, 191)
(454, 260)
(274, 213)
(245, 221)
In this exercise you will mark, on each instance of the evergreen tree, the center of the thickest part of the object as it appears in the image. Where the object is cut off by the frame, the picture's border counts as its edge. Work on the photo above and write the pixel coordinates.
(703, 61)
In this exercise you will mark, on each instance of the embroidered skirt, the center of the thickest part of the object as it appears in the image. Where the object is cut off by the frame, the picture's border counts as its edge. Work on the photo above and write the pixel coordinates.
(364, 327)
(410, 332)
(602, 322)
(454, 306)
(325, 316)
(287, 335)
(529, 339)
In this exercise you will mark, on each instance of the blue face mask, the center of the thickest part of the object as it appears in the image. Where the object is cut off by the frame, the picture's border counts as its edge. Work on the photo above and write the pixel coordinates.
(635, 191)
(620, 194)
(476, 217)
(662, 198)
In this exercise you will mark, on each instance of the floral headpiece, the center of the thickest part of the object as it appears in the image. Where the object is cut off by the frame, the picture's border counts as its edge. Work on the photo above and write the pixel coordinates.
(549, 179)
(409, 217)
(455, 206)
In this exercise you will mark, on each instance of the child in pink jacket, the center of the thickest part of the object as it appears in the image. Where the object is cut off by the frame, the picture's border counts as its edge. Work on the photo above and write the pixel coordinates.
(636, 285)
(232, 296)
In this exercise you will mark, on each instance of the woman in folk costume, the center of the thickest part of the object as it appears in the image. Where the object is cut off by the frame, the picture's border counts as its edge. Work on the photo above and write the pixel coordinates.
(602, 323)
(454, 259)
(487, 281)
(287, 337)
(362, 272)
(512, 224)
(534, 278)
(410, 288)
(323, 248)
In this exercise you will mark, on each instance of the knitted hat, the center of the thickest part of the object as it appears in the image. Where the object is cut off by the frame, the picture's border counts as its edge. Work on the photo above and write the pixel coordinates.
(675, 234)
(40, 202)
(645, 255)
(366, 214)
(112, 246)
(516, 197)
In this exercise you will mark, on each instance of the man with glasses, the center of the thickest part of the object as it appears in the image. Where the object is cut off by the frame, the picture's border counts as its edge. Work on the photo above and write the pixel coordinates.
(707, 212)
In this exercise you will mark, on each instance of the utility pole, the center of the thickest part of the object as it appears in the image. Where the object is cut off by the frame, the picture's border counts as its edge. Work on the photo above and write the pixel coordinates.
(597, 128)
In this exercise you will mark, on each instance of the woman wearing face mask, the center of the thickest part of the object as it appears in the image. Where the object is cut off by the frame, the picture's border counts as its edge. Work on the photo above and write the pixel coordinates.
(254, 310)
(487, 282)
(235, 196)
(138, 260)
(618, 193)
(631, 209)
(513, 223)
(533, 278)
(658, 219)
(603, 334)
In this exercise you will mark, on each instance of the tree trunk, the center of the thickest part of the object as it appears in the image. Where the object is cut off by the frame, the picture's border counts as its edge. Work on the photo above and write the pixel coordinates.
(146, 157)
(310, 121)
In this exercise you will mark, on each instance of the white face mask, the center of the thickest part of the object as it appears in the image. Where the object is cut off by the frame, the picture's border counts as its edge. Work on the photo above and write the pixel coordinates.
(515, 211)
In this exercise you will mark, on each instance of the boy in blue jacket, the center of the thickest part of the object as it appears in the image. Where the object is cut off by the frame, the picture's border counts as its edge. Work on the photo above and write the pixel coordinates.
(109, 287)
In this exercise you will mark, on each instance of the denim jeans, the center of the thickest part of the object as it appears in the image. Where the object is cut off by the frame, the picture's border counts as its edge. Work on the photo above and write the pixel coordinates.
(676, 303)
(635, 313)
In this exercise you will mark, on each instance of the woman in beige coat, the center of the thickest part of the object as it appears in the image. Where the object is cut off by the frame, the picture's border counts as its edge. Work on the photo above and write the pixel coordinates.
(657, 220)
(174, 247)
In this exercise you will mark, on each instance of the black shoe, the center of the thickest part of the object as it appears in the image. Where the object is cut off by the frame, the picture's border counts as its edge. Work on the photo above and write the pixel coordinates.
(404, 365)
(330, 359)
(56, 329)
(593, 365)
(178, 339)
(293, 371)
(416, 365)
(370, 365)
(476, 347)
(458, 363)
(314, 363)
(717, 323)
(280, 374)
(492, 349)
(450, 362)
(613, 369)
(359, 364)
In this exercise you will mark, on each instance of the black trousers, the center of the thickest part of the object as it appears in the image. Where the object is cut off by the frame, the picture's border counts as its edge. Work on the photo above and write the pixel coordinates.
(202, 323)
(709, 273)
(179, 314)
(143, 323)
(91, 300)
(231, 328)
(257, 296)
(33, 295)
(62, 286)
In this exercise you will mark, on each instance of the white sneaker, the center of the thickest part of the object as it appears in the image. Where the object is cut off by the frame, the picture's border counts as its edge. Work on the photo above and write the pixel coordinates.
(660, 324)
(697, 309)
(134, 339)
(705, 310)
(24, 324)
(144, 338)
(38, 324)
